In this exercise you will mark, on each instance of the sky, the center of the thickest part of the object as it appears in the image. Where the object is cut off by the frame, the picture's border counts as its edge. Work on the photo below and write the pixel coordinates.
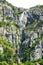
(25, 3)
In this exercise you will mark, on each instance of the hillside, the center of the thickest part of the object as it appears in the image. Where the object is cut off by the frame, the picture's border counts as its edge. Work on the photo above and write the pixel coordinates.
(21, 35)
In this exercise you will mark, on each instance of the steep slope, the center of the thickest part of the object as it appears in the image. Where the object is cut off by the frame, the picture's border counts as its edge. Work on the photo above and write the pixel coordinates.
(32, 35)
(9, 32)
(22, 30)
(9, 24)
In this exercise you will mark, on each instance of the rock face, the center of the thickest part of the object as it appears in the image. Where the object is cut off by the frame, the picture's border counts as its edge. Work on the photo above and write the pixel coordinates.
(24, 28)
(9, 14)
(32, 35)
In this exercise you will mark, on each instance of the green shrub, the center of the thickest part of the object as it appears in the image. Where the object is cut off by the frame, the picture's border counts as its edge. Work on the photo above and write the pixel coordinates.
(4, 63)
